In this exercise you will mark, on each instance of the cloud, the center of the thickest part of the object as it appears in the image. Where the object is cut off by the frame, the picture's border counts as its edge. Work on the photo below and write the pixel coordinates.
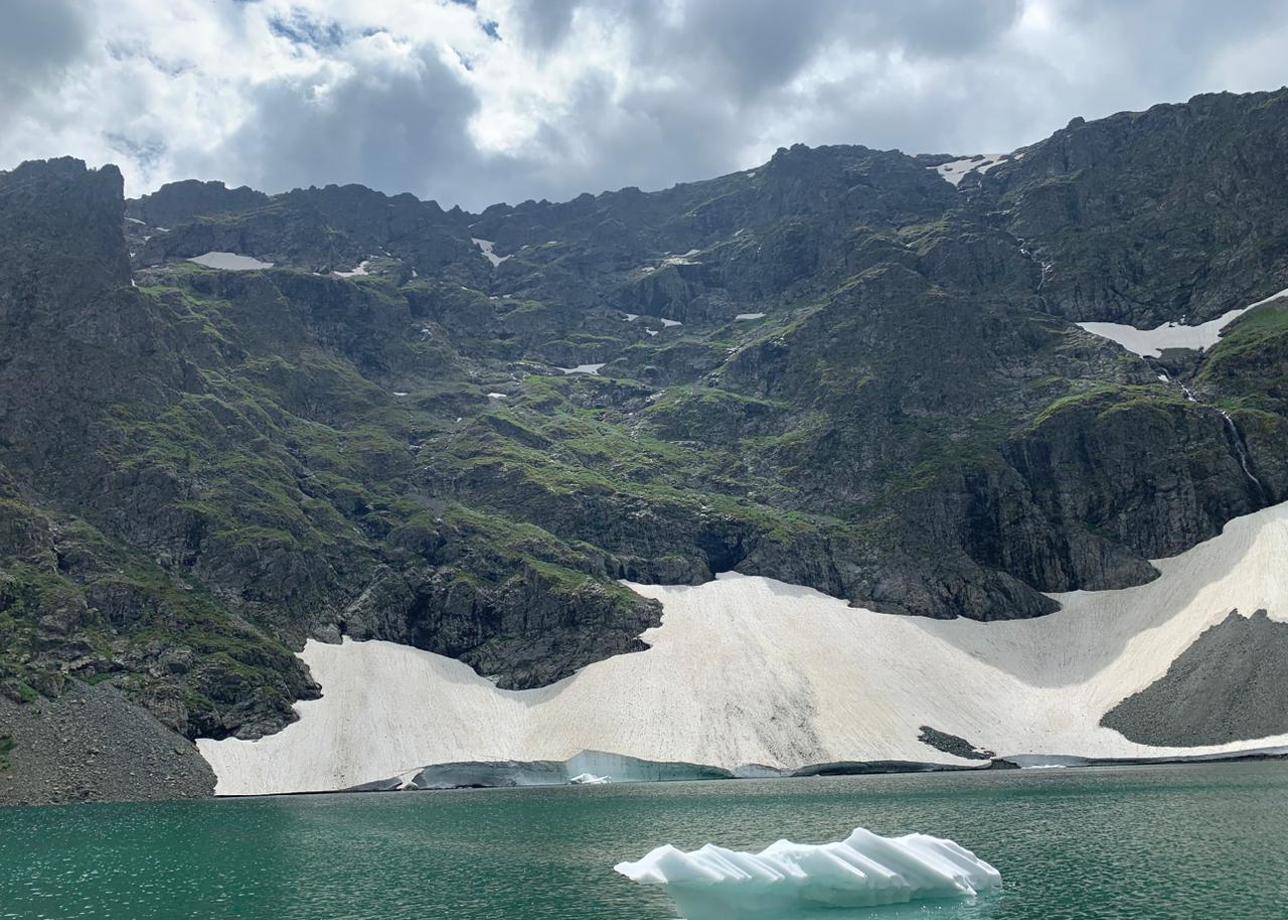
(486, 100)
(38, 40)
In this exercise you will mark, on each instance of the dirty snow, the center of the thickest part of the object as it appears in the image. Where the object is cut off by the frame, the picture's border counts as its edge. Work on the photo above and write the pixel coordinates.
(749, 670)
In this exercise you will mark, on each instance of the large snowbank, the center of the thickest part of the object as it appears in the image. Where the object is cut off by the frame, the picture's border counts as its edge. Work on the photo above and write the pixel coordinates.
(1150, 343)
(748, 670)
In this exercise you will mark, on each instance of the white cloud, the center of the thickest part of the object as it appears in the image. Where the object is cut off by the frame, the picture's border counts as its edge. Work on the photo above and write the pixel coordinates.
(508, 99)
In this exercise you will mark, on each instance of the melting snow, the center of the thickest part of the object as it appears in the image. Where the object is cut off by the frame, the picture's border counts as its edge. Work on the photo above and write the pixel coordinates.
(669, 322)
(487, 246)
(1151, 343)
(583, 369)
(746, 316)
(686, 259)
(496, 396)
(229, 261)
(751, 670)
(955, 170)
(360, 270)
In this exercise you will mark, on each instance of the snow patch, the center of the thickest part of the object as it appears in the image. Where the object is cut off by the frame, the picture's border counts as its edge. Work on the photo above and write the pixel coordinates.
(669, 322)
(357, 272)
(229, 261)
(496, 396)
(954, 171)
(799, 879)
(488, 247)
(583, 369)
(685, 259)
(1151, 343)
(746, 316)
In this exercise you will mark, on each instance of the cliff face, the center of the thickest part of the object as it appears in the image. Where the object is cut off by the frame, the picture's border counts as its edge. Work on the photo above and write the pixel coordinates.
(836, 370)
(1150, 217)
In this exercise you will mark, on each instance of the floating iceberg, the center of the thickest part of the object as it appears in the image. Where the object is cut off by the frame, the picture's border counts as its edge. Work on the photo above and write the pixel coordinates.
(797, 879)
(590, 779)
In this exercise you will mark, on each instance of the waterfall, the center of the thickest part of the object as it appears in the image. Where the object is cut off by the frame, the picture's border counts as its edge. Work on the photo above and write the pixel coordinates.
(1241, 451)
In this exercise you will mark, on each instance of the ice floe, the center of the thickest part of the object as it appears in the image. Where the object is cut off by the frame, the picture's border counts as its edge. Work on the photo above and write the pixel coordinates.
(488, 247)
(797, 880)
(590, 779)
(229, 261)
(749, 670)
(1151, 343)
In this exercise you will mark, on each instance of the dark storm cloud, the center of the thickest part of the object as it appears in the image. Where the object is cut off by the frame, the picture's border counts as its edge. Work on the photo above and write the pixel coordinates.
(473, 102)
(396, 129)
(38, 38)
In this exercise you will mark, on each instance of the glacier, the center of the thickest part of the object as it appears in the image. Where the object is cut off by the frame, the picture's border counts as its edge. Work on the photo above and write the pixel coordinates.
(798, 880)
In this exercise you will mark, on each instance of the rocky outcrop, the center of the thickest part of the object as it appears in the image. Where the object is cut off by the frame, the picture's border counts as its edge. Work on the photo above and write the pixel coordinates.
(1230, 685)
(1174, 213)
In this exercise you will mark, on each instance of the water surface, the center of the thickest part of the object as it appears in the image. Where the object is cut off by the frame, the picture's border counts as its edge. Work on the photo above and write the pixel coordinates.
(1149, 842)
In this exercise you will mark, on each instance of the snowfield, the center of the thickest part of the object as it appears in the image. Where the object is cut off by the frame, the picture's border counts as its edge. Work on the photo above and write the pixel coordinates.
(1150, 343)
(583, 369)
(748, 670)
(230, 261)
(487, 247)
(954, 171)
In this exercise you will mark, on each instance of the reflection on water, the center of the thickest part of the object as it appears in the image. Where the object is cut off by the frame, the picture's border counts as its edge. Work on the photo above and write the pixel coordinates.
(1154, 843)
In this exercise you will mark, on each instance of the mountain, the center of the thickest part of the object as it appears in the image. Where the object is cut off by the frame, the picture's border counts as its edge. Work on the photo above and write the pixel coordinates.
(460, 431)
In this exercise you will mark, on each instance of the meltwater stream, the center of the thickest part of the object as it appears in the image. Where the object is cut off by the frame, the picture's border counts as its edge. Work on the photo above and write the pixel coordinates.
(1149, 843)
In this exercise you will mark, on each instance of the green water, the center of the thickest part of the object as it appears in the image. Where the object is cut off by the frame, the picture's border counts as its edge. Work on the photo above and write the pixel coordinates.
(1205, 842)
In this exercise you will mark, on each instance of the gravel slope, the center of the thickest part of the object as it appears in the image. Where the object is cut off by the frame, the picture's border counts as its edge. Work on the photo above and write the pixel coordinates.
(91, 744)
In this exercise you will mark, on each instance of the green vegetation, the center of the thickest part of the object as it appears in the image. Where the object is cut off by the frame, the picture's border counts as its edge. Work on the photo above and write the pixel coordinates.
(228, 463)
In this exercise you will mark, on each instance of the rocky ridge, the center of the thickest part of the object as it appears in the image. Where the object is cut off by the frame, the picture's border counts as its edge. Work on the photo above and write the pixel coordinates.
(837, 370)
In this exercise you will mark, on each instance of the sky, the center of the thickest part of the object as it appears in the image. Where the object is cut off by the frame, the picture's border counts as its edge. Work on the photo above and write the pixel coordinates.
(472, 102)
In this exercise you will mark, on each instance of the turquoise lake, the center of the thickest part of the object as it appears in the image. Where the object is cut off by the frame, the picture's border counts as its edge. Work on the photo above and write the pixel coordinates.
(1205, 842)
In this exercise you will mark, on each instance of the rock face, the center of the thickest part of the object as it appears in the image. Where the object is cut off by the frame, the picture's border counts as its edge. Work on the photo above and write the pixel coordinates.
(201, 469)
(1148, 217)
